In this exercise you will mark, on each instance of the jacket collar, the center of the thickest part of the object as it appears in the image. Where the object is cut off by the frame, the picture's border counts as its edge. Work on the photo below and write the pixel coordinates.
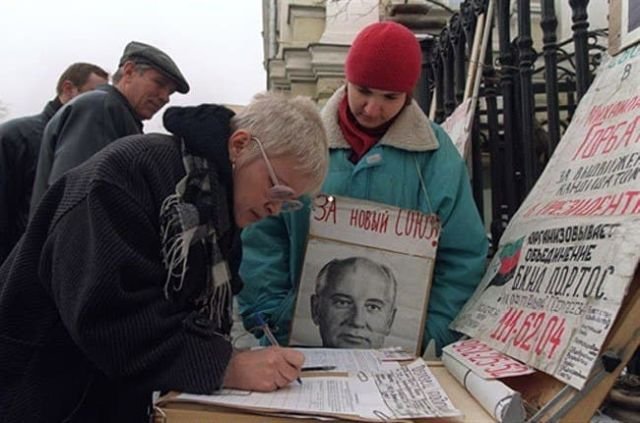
(116, 92)
(51, 108)
(411, 130)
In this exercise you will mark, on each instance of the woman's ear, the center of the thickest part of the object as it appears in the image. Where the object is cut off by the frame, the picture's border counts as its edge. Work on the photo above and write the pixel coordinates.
(238, 142)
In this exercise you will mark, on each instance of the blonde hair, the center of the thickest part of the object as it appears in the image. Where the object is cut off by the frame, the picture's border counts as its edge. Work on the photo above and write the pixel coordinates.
(287, 126)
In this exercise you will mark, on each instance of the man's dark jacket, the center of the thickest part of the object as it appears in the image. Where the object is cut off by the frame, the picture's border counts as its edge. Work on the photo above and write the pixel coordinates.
(86, 333)
(19, 147)
(84, 126)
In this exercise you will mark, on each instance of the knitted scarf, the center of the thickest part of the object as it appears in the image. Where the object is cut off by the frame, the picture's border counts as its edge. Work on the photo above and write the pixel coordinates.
(199, 211)
(359, 138)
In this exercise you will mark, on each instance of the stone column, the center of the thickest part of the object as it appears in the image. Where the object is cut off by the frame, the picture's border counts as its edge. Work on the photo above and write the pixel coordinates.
(344, 19)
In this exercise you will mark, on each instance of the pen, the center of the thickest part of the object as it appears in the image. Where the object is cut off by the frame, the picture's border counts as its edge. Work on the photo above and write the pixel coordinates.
(318, 368)
(267, 332)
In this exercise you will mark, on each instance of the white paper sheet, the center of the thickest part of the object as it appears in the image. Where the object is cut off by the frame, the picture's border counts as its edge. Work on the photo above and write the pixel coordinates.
(458, 126)
(346, 360)
(402, 392)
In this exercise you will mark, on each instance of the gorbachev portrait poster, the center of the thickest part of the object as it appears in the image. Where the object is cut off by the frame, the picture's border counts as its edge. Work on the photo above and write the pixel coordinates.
(366, 276)
(565, 262)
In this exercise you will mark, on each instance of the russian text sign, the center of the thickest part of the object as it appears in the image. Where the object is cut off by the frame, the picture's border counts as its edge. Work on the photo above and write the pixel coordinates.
(554, 288)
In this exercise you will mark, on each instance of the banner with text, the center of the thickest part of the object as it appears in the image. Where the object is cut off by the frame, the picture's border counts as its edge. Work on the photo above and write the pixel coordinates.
(556, 283)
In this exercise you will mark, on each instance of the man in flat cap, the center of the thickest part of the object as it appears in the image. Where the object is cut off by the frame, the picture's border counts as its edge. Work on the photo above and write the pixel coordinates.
(145, 79)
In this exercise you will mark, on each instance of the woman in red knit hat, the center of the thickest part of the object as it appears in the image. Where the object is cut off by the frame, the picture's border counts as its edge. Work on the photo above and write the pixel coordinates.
(384, 149)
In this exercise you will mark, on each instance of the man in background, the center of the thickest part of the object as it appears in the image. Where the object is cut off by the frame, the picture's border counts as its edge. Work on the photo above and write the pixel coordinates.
(354, 303)
(19, 147)
(145, 79)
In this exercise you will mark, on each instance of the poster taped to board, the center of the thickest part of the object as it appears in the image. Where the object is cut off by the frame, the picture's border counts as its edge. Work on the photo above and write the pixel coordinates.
(366, 276)
(564, 264)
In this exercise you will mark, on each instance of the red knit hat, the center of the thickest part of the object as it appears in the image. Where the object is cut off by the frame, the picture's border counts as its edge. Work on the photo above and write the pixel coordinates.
(384, 56)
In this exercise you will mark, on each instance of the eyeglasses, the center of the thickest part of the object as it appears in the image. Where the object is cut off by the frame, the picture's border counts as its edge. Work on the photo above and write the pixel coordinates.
(279, 192)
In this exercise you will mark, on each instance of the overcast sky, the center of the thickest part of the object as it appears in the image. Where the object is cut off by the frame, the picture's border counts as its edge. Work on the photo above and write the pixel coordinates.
(217, 44)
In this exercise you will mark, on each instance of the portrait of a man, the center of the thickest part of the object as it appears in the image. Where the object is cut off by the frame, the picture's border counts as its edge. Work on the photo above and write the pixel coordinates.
(354, 303)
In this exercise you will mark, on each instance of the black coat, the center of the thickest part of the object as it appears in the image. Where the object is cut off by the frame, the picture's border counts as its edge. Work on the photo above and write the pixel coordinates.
(19, 147)
(86, 334)
(84, 126)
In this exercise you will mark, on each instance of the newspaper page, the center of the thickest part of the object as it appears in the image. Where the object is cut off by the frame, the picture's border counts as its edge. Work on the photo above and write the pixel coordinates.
(485, 361)
(553, 289)
(366, 276)
(409, 391)
(458, 126)
(502, 402)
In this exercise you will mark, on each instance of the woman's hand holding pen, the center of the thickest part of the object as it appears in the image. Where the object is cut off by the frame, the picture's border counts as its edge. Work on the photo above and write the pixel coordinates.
(263, 370)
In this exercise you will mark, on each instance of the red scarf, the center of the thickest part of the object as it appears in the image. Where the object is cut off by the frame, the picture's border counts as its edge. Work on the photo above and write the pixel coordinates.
(359, 138)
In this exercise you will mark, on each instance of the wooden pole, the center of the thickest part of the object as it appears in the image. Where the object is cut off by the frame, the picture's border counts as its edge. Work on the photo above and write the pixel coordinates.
(488, 24)
(432, 108)
(475, 53)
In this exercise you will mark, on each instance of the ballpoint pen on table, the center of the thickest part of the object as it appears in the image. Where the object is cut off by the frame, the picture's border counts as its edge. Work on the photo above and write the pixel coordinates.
(267, 332)
(318, 368)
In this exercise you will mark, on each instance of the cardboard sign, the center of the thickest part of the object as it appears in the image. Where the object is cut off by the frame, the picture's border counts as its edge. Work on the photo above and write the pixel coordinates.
(366, 276)
(554, 288)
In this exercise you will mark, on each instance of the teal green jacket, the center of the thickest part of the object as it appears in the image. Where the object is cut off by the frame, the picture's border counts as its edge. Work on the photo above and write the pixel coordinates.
(412, 149)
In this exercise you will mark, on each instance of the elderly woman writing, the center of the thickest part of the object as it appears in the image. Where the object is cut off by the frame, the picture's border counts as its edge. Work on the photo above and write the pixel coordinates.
(122, 283)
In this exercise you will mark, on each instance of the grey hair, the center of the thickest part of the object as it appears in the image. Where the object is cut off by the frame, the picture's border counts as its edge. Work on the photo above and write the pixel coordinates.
(287, 126)
(138, 67)
(337, 268)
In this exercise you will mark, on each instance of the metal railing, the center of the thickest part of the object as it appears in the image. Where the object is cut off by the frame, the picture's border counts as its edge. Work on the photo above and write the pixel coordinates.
(527, 97)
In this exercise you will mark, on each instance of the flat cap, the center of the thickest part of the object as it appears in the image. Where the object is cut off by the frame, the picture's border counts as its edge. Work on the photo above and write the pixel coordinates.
(144, 53)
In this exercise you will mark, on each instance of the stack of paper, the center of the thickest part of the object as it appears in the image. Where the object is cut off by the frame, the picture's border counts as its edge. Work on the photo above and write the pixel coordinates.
(358, 389)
